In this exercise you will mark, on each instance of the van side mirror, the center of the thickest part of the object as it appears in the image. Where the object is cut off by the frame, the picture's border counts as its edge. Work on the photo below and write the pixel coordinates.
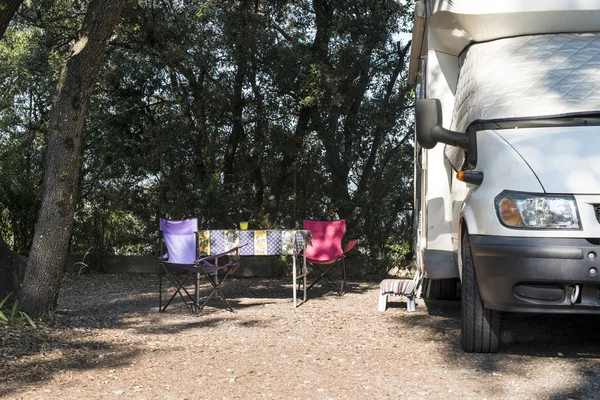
(428, 124)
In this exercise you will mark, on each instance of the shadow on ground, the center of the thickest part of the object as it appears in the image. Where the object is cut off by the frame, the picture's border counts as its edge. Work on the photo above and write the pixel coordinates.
(112, 304)
(526, 339)
(106, 303)
(140, 295)
(30, 356)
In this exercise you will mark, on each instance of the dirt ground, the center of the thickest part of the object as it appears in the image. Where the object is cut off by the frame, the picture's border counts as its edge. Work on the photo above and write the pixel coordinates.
(108, 341)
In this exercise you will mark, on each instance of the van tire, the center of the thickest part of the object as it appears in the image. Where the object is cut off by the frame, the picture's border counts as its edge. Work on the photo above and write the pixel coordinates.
(440, 289)
(481, 327)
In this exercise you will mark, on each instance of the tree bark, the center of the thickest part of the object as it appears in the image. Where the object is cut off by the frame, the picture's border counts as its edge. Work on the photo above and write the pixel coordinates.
(382, 126)
(288, 160)
(8, 8)
(318, 55)
(237, 128)
(241, 56)
(55, 221)
(12, 268)
(195, 114)
(259, 138)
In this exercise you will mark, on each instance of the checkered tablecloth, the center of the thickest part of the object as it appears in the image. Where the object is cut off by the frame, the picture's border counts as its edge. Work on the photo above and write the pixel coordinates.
(259, 242)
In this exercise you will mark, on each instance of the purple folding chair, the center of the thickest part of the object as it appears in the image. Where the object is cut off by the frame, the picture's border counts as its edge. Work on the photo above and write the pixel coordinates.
(181, 240)
(326, 250)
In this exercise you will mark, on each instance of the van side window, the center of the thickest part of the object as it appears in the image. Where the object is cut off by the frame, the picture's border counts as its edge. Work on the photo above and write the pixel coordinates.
(456, 157)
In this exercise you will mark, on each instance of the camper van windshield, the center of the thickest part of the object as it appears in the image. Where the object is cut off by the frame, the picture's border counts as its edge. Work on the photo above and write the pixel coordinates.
(549, 79)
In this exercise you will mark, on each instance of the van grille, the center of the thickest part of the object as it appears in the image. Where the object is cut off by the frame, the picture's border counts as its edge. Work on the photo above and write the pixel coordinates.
(597, 211)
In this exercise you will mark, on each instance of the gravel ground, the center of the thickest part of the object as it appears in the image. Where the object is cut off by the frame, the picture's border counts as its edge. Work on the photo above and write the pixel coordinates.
(108, 341)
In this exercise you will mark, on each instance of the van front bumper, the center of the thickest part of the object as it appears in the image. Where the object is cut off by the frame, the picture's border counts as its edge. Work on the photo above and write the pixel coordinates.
(538, 275)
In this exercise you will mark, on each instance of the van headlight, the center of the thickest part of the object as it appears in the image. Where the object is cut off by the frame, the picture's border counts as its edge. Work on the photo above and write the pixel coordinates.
(537, 211)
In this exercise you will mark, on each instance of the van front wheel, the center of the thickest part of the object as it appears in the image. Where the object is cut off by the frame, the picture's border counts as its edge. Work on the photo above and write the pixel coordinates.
(480, 326)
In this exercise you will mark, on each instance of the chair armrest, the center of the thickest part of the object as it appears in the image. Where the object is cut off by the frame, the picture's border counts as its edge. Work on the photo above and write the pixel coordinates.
(225, 253)
(350, 245)
(205, 262)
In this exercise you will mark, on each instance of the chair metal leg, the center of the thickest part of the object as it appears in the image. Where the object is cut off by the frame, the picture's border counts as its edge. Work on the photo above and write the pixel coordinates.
(299, 279)
(201, 307)
(304, 273)
(314, 282)
(216, 292)
(294, 280)
(159, 289)
(343, 288)
(323, 276)
(219, 293)
(179, 289)
(180, 286)
(332, 283)
(196, 285)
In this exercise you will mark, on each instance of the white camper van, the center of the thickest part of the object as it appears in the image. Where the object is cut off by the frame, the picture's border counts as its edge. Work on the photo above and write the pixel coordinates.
(507, 166)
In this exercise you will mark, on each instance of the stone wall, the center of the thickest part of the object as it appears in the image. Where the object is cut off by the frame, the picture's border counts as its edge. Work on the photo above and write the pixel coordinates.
(260, 267)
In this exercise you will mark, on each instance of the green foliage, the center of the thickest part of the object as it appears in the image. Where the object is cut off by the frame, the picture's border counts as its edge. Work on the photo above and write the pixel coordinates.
(24, 82)
(2, 316)
(14, 314)
(218, 109)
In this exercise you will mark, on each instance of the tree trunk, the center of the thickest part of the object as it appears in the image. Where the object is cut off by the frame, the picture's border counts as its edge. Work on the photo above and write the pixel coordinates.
(55, 221)
(12, 268)
(8, 8)
(195, 114)
(258, 138)
(241, 56)
(318, 55)
(237, 128)
(289, 158)
(383, 124)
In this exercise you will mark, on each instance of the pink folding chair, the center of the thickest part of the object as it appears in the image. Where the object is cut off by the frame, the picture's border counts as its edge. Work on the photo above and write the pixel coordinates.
(326, 250)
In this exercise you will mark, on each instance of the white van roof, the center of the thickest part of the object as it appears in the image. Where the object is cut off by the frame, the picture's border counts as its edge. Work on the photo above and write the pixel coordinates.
(453, 24)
